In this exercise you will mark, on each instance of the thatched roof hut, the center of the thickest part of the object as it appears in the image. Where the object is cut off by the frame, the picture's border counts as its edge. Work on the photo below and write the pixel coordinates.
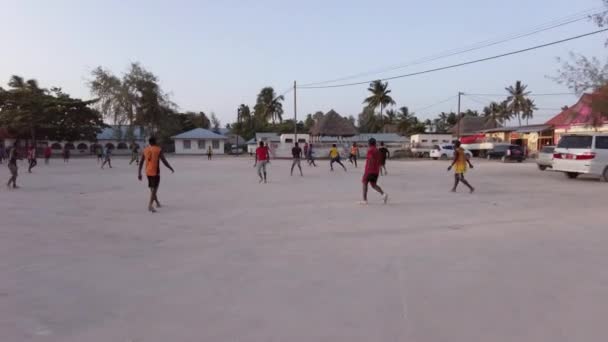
(332, 124)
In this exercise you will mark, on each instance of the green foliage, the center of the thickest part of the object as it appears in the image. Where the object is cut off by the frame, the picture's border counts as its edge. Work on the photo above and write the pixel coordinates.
(215, 123)
(268, 106)
(28, 110)
(517, 101)
(380, 96)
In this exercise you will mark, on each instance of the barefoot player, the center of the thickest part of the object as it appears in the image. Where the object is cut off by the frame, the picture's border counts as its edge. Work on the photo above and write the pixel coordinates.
(373, 162)
(152, 156)
(460, 163)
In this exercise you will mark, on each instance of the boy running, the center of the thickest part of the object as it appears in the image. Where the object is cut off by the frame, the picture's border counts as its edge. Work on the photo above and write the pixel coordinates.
(262, 157)
(134, 154)
(460, 161)
(334, 156)
(372, 170)
(12, 166)
(386, 154)
(354, 154)
(152, 156)
(296, 152)
(47, 154)
(107, 157)
(310, 156)
(31, 157)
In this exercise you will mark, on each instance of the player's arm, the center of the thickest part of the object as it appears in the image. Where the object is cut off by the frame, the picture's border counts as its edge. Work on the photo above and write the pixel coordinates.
(469, 161)
(388, 154)
(141, 165)
(256, 159)
(164, 160)
(454, 160)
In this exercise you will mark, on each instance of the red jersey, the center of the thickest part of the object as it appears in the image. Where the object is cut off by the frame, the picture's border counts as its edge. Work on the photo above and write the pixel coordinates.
(262, 153)
(373, 161)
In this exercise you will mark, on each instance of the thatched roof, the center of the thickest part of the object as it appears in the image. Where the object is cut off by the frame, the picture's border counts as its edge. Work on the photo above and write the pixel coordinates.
(471, 124)
(333, 124)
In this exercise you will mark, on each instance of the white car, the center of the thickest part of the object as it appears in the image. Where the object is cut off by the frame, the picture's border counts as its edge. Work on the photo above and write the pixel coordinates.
(545, 157)
(578, 154)
(446, 152)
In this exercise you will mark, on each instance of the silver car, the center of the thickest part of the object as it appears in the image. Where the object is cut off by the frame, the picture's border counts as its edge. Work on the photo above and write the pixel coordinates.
(545, 158)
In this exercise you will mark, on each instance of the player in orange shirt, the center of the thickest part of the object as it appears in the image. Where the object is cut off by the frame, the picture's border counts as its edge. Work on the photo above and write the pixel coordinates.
(152, 156)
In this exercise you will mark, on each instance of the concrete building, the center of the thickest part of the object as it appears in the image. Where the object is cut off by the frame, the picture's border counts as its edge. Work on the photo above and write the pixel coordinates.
(581, 117)
(198, 141)
(430, 139)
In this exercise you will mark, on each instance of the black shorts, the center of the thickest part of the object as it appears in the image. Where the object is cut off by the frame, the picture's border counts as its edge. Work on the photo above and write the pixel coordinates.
(153, 181)
(372, 178)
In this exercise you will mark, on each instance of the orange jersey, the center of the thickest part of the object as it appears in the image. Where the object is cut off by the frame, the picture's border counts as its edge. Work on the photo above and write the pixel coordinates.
(152, 157)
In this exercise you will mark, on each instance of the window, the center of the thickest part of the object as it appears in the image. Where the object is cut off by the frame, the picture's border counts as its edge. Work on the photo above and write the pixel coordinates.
(434, 141)
(303, 141)
(215, 144)
(445, 141)
(601, 143)
(424, 140)
(70, 146)
(122, 146)
(547, 149)
(575, 141)
(448, 147)
(56, 146)
(186, 144)
(201, 144)
(82, 146)
(288, 141)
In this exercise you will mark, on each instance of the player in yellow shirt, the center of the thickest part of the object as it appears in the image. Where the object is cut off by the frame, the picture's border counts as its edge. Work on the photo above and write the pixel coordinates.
(334, 156)
(460, 163)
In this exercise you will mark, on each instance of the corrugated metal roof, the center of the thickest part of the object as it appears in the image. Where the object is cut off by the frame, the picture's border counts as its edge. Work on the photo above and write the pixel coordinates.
(117, 132)
(532, 128)
(199, 133)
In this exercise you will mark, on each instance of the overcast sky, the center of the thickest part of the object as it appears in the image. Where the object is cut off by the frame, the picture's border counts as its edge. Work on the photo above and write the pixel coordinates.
(215, 55)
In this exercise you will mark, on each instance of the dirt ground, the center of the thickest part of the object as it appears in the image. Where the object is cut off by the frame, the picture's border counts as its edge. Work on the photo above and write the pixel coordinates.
(525, 258)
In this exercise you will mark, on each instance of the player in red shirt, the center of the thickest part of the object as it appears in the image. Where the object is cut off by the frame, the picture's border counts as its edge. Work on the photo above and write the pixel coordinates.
(262, 157)
(373, 163)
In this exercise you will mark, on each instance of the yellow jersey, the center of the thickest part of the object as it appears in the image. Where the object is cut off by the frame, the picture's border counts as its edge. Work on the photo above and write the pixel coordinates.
(461, 161)
(333, 152)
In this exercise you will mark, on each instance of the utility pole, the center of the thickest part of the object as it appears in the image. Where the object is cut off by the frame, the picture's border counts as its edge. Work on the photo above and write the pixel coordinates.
(458, 117)
(295, 114)
(238, 122)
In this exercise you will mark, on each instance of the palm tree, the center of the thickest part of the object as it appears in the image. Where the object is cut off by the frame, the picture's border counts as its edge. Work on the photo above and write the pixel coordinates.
(391, 116)
(380, 96)
(494, 114)
(269, 106)
(528, 111)
(30, 105)
(516, 101)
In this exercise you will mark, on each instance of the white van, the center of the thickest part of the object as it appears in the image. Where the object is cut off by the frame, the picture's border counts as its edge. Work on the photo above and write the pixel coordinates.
(577, 154)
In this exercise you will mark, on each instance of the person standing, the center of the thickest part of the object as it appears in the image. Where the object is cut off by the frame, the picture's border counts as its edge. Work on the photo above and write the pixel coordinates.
(460, 163)
(134, 154)
(66, 154)
(209, 153)
(152, 156)
(47, 154)
(386, 154)
(296, 153)
(373, 162)
(354, 154)
(262, 157)
(334, 157)
(99, 152)
(305, 150)
(31, 158)
(310, 156)
(107, 157)
(12, 166)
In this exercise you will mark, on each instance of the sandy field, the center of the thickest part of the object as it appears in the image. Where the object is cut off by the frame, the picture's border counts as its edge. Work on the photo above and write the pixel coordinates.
(525, 258)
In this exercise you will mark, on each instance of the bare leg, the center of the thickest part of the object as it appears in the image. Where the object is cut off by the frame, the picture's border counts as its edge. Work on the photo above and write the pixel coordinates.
(365, 192)
(339, 162)
(464, 181)
(152, 198)
(377, 188)
(456, 181)
(293, 164)
(300, 167)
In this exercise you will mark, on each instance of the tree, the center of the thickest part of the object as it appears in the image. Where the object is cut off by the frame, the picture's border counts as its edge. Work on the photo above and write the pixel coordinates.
(268, 106)
(308, 122)
(391, 116)
(494, 114)
(528, 110)
(134, 99)
(368, 121)
(215, 123)
(380, 96)
(28, 110)
(517, 99)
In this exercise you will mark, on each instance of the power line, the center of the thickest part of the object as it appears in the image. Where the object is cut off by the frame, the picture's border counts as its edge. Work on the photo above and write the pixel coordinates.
(434, 104)
(480, 45)
(531, 94)
(460, 64)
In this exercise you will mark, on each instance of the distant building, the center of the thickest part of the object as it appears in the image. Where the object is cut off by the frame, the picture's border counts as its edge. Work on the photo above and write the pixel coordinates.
(579, 118)
(198, 141)
(334, 125)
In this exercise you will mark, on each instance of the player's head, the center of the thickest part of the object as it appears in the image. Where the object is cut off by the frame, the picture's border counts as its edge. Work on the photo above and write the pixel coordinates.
(382, 143)
(371, 142)
(355, 144)
(296, 144)
(457, 143)
(261, 144)
(152, 141)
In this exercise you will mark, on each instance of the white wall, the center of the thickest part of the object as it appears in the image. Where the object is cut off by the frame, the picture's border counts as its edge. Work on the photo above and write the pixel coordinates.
(419, 139)
(194, 146)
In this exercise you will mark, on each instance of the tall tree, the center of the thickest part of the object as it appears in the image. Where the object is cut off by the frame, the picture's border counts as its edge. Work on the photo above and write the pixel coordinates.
(380, 96)
(268, 106)
(215, 123)
(528, 111)
(368, 121)
(308, 122)
(517, 99)
(24, 106)
(494, 114)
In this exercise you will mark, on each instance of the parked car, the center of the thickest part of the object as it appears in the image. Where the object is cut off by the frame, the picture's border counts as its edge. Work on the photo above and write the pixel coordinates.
(578, 154)
(446, 152)
(506, 153)
(545, 158)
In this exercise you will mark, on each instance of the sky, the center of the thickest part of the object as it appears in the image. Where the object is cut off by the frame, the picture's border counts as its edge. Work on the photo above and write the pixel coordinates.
(213, 56)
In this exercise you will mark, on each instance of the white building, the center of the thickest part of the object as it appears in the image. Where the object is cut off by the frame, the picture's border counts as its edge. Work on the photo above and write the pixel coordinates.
(430, 139)
(198, 141)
